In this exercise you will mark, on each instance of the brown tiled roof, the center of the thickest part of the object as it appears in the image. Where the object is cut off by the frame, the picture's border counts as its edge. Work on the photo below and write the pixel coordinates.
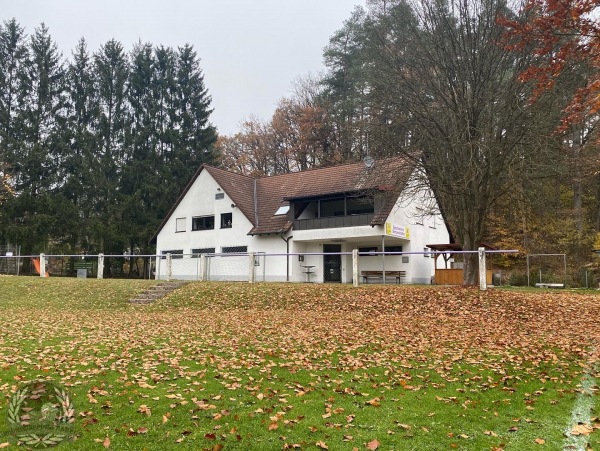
(237, 186)
(387, 175)
(274, 191)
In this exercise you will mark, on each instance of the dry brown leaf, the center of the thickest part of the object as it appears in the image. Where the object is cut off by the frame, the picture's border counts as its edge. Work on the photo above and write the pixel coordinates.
(582, 429)
(373, 444)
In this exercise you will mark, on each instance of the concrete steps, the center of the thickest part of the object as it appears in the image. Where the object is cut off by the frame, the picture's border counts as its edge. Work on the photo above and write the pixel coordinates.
(156, 292)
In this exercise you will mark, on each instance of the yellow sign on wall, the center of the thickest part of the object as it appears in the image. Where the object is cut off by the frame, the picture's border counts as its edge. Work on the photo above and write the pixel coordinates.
(397, 231)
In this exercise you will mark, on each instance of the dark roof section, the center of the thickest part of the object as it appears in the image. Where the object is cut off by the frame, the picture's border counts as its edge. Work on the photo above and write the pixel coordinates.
(388, 175)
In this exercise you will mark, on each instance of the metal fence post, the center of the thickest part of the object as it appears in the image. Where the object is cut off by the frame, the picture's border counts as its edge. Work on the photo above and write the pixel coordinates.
(169, 267)
(100, 274)
(42, 265)
(251, 270)
(355, 267)
(482, 270)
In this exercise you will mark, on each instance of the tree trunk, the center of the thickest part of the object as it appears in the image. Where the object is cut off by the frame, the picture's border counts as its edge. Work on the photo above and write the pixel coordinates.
(471, 269)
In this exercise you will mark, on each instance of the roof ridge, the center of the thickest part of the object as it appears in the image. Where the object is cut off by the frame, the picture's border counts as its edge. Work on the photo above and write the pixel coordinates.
(228, 171)
(320, 168)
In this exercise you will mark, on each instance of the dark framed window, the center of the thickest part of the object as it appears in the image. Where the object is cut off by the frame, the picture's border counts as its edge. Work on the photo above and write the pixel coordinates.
(202, 250)
(203, 223)
(226, 220)
(393, 249)
(234, 249)
(346, 206)
(219, 196)
(367, 250)
(359, 205)
(332, 207)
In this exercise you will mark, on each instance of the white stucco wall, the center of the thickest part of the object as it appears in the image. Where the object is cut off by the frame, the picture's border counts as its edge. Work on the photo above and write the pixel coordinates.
(200, 201)
(424, 230)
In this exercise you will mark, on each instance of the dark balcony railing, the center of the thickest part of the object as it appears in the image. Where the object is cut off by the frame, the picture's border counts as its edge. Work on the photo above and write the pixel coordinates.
(334, 222)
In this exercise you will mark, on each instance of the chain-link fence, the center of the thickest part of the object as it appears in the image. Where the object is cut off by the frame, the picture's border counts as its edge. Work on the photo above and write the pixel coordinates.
(362, 266)
(83, 266)
(10, 259)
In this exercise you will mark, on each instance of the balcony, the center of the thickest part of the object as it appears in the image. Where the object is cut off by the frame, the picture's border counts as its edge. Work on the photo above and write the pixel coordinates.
(334, 222)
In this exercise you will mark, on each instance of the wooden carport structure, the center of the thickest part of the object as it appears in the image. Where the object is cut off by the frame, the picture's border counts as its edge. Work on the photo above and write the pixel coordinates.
(453, 276)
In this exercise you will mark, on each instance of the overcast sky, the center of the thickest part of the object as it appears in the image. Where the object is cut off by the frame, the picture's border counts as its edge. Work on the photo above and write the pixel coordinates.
(250, 50)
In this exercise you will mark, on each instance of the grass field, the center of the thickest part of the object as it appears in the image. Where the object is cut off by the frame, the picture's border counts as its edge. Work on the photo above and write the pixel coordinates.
(235, 366)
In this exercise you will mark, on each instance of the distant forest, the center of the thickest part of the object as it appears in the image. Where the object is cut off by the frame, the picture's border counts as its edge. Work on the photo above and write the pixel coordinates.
(497, 104)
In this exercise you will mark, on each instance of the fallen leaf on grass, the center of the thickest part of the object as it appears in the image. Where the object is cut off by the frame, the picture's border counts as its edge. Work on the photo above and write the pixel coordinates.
(321, 444)
(582, 429)
(373, 444)
(540, 441)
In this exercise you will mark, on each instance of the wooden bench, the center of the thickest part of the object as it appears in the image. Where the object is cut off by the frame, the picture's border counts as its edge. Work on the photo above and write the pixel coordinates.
(378, 275)
(550, 285)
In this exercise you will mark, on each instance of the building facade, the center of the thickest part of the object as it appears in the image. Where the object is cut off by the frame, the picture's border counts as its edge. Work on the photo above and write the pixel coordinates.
(303, 226)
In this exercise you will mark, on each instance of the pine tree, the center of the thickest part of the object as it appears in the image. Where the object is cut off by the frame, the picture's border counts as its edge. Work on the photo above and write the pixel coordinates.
(111, 69)
(13, 54)
(81, 164)
(37, 156)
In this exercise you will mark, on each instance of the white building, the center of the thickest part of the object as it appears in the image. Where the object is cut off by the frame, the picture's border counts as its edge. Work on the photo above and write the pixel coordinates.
(331, 210)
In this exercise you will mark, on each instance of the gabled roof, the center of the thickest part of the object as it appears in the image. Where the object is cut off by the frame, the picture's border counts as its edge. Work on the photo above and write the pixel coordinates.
(259, 198)
(387, 175)
(240, 188)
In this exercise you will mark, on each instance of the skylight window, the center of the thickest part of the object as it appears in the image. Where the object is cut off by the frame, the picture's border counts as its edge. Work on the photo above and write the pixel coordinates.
(282, 210)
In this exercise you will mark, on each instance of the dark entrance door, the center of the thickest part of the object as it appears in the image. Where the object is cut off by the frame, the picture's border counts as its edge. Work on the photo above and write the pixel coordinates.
(332, 264)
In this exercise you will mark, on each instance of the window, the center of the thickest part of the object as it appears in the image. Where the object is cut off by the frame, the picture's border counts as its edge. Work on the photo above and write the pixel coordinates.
(202, 250)
(367, 250)
(420, 216)
(234, 249)
(359, 205)
(203, 223)
(180, 225)
(226, 220)
(175, 253)
(346, 206)
(332, 207)
(219, 196)
(282, 210)
(432, 224)
(390, 249)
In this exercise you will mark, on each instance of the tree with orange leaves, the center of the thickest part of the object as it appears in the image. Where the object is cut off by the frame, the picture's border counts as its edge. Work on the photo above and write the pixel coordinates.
(563, 33)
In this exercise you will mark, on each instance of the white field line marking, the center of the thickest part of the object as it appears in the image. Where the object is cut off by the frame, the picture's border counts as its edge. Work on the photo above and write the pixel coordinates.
(582, 410)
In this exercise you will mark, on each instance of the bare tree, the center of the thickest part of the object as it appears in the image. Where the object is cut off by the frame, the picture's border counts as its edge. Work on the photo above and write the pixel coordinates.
(471, 119)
